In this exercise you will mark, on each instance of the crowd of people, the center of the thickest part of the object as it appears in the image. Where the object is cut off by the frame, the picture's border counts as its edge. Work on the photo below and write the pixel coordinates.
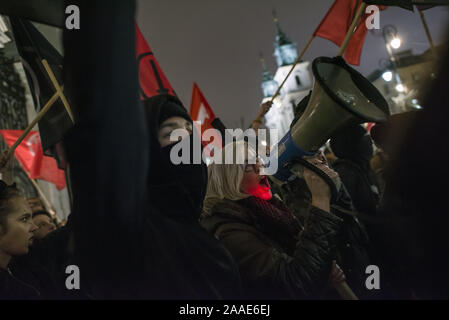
(143, 227)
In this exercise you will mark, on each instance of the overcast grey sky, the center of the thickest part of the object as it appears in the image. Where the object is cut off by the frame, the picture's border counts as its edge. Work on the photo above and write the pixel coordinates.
(217, 43)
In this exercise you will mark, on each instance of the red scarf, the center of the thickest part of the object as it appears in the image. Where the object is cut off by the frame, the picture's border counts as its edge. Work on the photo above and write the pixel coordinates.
(275, 220)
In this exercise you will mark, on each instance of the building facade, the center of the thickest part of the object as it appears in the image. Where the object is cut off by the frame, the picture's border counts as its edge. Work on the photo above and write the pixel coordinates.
(416, 74)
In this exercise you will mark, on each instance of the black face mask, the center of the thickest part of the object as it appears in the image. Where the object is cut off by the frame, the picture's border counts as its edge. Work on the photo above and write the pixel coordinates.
(183, 186)
(353, 143)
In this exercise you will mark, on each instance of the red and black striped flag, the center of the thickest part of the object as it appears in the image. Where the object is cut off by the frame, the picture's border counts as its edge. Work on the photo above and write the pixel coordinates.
(151, 78)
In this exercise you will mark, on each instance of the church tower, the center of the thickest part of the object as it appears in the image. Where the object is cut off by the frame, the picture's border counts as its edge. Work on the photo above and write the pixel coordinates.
(295, 88)
(269, 85)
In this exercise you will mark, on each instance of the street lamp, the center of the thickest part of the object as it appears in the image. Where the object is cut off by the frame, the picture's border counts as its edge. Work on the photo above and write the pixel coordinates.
(400, 87)
(387, 75)
(395, 43)
(392, 40)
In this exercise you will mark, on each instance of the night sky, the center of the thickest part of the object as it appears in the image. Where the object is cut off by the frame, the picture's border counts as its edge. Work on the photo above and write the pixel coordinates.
(217, 43)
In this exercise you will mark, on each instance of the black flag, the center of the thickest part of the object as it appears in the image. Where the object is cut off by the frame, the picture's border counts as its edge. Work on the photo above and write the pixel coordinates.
(408, 4)
(33, 47)
(49, 12)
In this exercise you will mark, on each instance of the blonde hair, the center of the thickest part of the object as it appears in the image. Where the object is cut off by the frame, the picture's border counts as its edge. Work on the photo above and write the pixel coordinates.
(225, 180)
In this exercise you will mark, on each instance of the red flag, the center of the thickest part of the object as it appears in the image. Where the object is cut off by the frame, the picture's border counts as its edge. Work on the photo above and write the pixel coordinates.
(32, 159)
(369, 125)
(336, 24)
(151, 78)
(201, 111)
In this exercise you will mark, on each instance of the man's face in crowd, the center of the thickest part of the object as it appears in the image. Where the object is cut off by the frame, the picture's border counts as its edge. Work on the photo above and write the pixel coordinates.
(44, 226)
(171, 124)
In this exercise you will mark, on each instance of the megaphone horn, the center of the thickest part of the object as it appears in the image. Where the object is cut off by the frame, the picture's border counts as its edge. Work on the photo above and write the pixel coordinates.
(341, 96)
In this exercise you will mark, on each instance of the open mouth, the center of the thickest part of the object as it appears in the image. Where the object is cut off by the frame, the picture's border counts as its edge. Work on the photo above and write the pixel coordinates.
(264, 182)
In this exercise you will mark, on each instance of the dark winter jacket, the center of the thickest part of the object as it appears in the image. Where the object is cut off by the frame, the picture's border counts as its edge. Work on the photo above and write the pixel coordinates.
(191, 263)
(353, 147)
(43, 268)
(352, 242)
(40, 274)
(270, 270)
(131, 239)
(13, 288)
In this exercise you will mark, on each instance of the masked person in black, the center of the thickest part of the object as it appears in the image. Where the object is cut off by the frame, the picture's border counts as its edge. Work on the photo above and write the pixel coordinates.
(192, 263)
(135, 222)
(188, 181)
(354, 150)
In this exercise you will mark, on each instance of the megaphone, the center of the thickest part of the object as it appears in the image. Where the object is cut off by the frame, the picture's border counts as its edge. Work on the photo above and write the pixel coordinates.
(341, 96)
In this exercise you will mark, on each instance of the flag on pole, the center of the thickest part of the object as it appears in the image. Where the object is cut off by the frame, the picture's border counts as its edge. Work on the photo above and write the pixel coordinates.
(151, 78)
(33, 47)
(336, 24)
(201, 112)
(32, 159)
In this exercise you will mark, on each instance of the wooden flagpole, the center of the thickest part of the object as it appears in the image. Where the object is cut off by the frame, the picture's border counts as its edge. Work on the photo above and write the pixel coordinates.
(33, 123)
(47, 203)
(426, 28)
(58, 94)
(351, 30)
(58, 89)
(258, 121)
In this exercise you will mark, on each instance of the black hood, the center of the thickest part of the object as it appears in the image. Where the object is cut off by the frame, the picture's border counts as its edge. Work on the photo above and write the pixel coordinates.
(177, 189)
(353, 143)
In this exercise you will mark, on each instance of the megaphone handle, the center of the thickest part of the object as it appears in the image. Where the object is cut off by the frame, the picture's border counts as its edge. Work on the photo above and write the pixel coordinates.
(321, 174)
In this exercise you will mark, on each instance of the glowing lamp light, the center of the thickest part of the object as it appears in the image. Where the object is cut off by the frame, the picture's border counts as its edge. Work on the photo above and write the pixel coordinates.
(416, 104)
(264, 143)
(387, 76)
(395, 43)
(400, 87)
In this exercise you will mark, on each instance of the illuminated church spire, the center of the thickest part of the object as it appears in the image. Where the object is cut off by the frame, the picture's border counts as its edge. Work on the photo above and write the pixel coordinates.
(285, 50)
(269, 85)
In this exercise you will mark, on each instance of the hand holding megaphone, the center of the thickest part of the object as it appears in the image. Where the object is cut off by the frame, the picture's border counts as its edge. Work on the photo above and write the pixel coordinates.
(315, 182)
(322, 181)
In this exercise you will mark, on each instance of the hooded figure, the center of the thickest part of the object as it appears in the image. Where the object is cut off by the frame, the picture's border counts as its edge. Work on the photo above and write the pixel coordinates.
(135, 227)
(354, 150)
(187, 181)
(190, 264)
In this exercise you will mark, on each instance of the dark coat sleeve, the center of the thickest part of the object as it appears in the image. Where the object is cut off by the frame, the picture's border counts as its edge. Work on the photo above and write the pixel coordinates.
(302, 275)
(107, 148)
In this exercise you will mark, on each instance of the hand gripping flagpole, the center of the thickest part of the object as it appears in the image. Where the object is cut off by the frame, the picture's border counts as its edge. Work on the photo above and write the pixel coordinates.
(58, 94)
